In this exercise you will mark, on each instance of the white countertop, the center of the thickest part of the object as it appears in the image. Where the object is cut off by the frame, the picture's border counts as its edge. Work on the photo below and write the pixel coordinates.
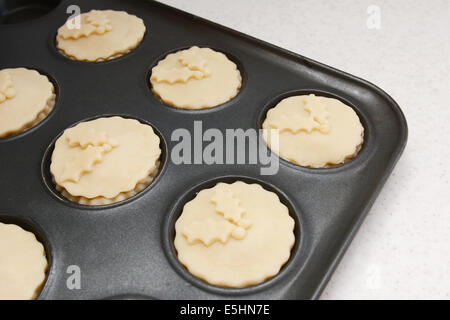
(402, 250)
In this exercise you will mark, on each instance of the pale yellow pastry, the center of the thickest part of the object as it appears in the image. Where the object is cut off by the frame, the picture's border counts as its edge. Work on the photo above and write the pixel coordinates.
(196, 78)
(23, 263)
(26, 98)
(234, 235)
(100, 35)
(105, 160)
(314, 131)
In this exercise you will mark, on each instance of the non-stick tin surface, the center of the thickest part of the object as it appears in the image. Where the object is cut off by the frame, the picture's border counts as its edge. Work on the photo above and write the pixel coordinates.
(126, 249)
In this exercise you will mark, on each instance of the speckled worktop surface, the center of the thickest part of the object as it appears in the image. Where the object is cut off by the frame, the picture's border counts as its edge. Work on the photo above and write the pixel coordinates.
(402, 250)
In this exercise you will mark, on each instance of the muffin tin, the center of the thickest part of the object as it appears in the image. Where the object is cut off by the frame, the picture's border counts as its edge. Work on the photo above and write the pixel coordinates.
(126, 249)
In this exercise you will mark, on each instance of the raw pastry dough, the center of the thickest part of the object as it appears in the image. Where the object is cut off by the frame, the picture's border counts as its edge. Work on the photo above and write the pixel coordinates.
(23, 264)
(314, 131)
(105, 160)
(103, 35)
(26, 98)
(196, 78)
(234, 235)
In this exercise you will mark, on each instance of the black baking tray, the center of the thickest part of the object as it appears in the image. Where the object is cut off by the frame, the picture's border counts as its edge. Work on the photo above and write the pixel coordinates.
(125, 250)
